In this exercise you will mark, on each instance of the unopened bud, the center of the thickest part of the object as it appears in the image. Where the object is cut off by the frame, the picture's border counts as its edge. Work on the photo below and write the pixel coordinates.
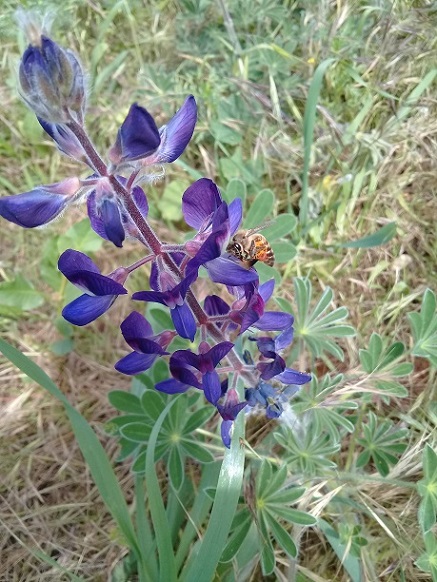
(52, 81)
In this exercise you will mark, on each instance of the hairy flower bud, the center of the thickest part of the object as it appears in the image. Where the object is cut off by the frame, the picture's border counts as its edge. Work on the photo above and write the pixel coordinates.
(52, 81)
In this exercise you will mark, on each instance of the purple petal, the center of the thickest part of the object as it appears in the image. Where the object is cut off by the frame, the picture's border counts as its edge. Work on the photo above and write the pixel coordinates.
(271, 369)
(135, 363)
(199, 201)
(154, 296)
(184, 358)
(266, 289)
(33, 208)
(177, 133)
(138, 137)
(219, 351)
(96, 284)
(86, 308)
(172, 386)
(72, 261)
(252, 312)
(111, 219)
(184, 321)
(211, 386)
(225, 270)
(226, 432)
(65, 139)
(141, 200)
(235, 215)
(135, 326)
(214, 305)
(284, 339)
(290, 376)
(275, 321)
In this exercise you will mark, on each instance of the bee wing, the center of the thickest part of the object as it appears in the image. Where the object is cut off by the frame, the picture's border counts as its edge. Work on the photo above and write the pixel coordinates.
(262, 226)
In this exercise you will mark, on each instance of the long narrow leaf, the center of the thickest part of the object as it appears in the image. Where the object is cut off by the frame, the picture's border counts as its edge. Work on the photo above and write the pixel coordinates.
(202, 565)
(92, 450)
(167, 564)
(308, 131)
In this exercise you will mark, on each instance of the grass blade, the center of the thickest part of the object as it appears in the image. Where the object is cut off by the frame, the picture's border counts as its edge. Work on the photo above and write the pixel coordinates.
(308, 132)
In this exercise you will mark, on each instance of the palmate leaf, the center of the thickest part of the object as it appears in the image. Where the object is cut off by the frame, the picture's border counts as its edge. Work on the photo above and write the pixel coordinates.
(424, 328)
(317, 327)
(325, 409)
(427, 488)
(382, 442)
(310, 452)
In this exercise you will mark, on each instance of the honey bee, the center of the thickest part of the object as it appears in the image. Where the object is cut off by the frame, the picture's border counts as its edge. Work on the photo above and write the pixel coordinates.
(249, 247)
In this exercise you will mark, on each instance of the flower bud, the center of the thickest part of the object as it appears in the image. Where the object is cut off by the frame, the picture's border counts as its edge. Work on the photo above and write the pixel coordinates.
(52, 81)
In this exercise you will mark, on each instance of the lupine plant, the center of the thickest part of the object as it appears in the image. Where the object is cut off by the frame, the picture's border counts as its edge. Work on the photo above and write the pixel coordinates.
(206, 362)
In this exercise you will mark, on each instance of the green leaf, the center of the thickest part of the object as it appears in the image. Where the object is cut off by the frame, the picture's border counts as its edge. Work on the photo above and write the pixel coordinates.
(282, 537)
(125, 401)
(284, 251)
(260, 209)
(236, 189)
(350, 562)
(308, 133)
(224, 133)
(176, 464)
(19, 294)
(282, 225)
(138, 432)
(169, 204)
(197, 419)
(236, 540)
(197, 451)
(80, 237)
(380, 237)
(202, 565)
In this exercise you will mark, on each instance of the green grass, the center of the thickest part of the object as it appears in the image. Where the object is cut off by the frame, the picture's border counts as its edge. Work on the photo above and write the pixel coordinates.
(349, 156)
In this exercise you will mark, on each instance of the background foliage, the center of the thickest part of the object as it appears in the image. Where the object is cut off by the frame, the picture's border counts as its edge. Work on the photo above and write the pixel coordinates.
(322, 111)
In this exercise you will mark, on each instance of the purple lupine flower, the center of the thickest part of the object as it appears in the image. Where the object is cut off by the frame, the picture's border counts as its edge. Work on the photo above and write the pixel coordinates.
(269, 348)
(100, 291)
(197, 370)
(52, 81)
(138, 333)
(228, 407)
(203, 208)
(108, 215)
(139, 138)
(41, 205)
(269, 397)
(173, 296)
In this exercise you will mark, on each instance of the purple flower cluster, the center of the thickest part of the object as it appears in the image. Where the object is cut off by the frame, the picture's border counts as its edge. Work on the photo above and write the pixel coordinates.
(117, 208)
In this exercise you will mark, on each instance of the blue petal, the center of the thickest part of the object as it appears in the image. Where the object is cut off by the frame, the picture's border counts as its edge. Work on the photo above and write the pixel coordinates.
(199, 201)
(214, 305)
(266, 289)
(33, 208)
(65, 139)
(135, 363)
(72, 261)
(184, 321)
(274, 321)
(172, 386)
(226, 433)
(235, 214)
(86, 308)
(138, 136)
(177, 133)
(135, 326)
(219, 351)
(112, 220)
(225, 270)
(211, 386)
(290, 376)
(154, 296)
